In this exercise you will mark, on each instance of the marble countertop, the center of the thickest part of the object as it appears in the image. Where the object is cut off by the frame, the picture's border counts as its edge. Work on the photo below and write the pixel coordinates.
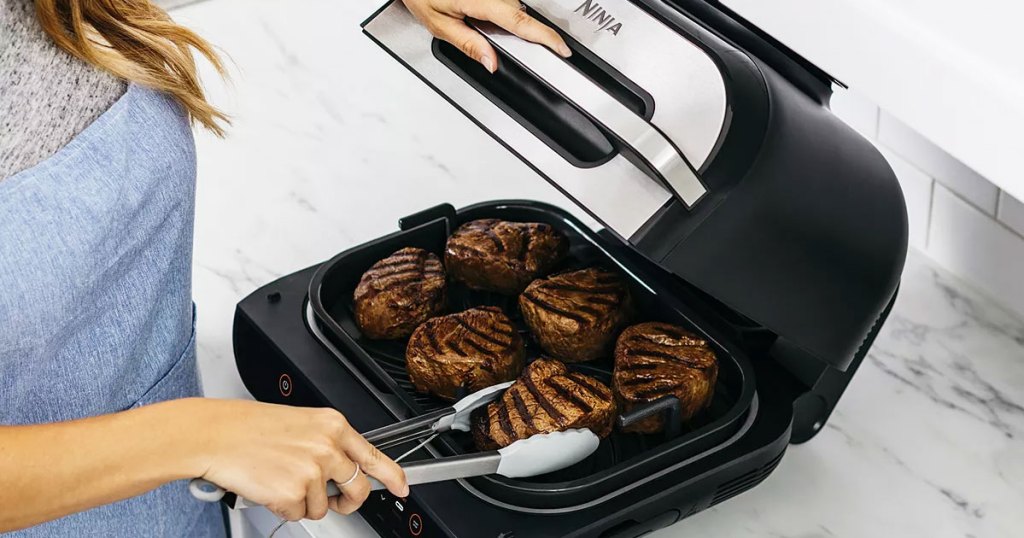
(333, 141)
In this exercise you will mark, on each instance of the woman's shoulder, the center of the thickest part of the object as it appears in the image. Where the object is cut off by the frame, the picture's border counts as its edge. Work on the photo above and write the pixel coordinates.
(47, 96)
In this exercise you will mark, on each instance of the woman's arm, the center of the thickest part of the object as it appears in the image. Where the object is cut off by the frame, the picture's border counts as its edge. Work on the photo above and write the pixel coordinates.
(279, 456)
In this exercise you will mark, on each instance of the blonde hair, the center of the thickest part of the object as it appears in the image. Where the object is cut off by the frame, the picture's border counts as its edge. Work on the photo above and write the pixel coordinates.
(136, 41)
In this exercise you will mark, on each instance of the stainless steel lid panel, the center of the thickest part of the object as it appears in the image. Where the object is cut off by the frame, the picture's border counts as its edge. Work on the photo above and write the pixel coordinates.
(618, 193)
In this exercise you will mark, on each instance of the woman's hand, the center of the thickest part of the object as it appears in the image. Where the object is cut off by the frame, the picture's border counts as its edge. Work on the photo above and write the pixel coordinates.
(445, 19)
(276, 455)
(282, 456)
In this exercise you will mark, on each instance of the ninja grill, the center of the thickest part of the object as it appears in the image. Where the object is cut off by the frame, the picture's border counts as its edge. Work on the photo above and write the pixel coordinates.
(733, 202)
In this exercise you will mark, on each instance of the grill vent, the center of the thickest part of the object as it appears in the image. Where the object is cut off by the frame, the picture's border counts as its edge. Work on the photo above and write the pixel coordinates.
(744, 482)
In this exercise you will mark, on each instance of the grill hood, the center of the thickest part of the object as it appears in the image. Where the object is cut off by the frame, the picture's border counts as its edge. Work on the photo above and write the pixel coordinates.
(699, 143)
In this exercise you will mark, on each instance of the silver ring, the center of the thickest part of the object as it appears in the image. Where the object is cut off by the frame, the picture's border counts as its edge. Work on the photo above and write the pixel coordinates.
(355, 475)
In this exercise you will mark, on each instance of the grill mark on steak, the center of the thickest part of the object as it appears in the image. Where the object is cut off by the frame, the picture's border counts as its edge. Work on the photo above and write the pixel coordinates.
(639, 366)
(483, 334)
(540, 303)
(397, 280)
(498, 245)
(579, 304)
(391, 263)
(524, 413)
(524, 247)
(480, 348)
(398, 259)
(585, 382)
(653, 353)
(505, 421)
(582, 288)
(435, 346)
(569, 395)
(394, 273)
(457, 349)
(534, 391)
(634, 381)
(607, 301)
(509, 331)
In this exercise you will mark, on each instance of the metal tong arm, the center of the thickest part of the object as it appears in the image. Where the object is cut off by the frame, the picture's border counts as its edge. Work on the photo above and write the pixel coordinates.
(406, 431)
(661, 157)
(455, 417)
(450, 468)
(535, 455)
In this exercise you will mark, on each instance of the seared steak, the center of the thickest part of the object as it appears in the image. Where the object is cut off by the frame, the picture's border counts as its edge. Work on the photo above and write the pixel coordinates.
(502, 256)
(653, 360)
(398, 293)
(546, 398)
(476, 349)
(575, 316)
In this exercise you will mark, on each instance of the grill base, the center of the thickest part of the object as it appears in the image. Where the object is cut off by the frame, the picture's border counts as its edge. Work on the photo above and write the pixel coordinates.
(622, 458)
(272, 339)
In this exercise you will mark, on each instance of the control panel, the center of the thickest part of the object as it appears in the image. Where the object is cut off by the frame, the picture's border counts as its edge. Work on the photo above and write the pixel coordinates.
(394, 517)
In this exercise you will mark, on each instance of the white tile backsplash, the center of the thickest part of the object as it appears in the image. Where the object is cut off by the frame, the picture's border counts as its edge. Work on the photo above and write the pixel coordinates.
(956, 216)
(856, 111)
(977, 247)
(934, 161)
(917, 191)
(1011, 212)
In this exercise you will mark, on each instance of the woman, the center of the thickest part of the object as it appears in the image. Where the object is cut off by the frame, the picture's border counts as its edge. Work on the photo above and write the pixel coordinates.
(98, 420)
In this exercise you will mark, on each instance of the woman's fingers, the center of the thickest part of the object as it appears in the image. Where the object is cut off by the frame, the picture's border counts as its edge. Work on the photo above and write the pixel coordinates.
(291, 507)
(374, 463)
(466, 39)
(510, 17)
(316, 499)
(353, 494)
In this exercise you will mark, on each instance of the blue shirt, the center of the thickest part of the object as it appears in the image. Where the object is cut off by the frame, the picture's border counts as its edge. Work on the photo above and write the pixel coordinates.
(96, 312)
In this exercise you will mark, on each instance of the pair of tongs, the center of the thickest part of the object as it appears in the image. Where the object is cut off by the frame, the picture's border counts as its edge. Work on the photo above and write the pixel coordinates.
(535, 455)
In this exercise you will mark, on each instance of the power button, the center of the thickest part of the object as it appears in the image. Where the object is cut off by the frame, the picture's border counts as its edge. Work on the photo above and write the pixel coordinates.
(284, 384)
(415, 524)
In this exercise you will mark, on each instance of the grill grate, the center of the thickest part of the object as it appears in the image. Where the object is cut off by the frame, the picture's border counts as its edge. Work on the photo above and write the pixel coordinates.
(621, 457)
(618, 447)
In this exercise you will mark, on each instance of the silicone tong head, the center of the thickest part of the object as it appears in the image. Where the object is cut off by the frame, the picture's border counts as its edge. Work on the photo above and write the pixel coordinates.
(546, 452)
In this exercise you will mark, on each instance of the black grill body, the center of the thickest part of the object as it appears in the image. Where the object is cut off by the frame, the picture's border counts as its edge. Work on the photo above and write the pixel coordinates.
(287, 352)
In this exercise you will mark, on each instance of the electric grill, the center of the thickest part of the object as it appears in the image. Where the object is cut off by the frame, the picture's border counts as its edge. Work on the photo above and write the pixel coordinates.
(732, 201)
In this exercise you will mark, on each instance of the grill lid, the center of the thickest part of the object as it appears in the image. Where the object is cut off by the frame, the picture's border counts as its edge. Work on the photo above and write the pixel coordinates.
(694, 152)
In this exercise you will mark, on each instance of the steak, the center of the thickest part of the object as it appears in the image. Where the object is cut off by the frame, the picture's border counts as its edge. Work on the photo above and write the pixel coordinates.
(575, 316)
(502, 256)
(473, 349)
(398, 293)
(546, 398)
(653, 360)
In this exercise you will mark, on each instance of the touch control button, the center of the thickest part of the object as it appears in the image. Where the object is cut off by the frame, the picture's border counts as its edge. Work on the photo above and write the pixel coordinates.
(284, 384)
(415, 524)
